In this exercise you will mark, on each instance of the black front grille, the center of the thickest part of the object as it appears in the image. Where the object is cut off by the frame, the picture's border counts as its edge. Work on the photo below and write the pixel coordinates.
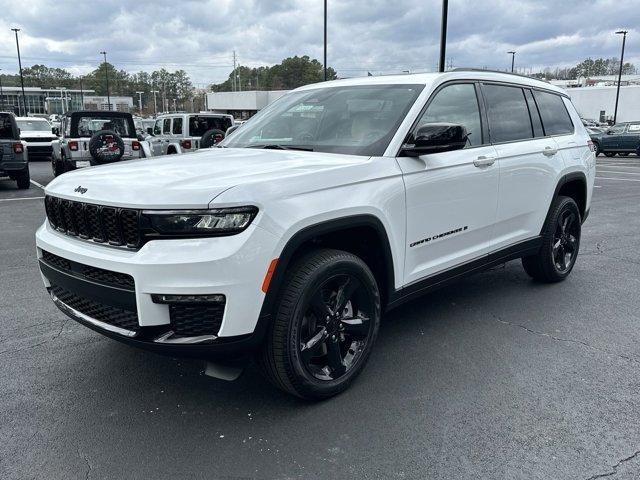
(38, 139)
(100, 275)
(191, 320)
(117, 226)
(118, 317)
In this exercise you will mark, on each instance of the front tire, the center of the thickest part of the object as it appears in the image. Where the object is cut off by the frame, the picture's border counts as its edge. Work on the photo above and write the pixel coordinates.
(326, 323)
(610, 154)
(560, 243)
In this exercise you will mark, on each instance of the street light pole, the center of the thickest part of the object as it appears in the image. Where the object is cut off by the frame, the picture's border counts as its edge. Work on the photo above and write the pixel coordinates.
(81, 95)
(155, 102)
(24, 99)
(443, 35)
(624, 39)
(513, 59)
(325, 40)
(106, 74)
(140, 101)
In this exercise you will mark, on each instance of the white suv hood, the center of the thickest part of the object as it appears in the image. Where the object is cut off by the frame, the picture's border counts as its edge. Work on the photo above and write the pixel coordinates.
(190, 180)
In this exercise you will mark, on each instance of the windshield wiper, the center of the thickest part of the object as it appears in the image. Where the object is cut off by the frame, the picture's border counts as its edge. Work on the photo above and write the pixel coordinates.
(277, 146)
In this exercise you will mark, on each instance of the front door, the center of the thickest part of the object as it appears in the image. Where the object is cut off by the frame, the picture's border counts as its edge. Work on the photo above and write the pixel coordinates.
(451, 196)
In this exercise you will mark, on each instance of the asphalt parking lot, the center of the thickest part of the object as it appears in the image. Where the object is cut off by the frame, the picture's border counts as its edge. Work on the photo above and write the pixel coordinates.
(494, 377)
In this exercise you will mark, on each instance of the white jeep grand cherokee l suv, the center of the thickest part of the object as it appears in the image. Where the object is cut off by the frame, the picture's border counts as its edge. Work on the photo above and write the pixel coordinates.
(336, 203)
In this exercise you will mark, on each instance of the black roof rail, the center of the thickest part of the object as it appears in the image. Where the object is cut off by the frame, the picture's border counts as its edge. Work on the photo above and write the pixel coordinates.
(464, 69)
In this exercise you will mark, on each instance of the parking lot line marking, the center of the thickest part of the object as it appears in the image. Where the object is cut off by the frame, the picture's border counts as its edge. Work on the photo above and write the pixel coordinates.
(620, 179)
(22, 198)
(37, 184)
(617, 172)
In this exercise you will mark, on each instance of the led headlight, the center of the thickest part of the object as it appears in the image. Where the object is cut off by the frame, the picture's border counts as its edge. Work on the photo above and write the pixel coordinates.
(219, 221)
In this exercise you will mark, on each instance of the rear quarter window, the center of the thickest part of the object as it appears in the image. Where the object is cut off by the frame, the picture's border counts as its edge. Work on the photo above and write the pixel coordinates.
(555, 117)
(634, 127)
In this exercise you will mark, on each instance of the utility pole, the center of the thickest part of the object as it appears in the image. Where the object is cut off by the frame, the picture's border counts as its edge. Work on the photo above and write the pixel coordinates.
(513, 59)
(106, 74)
(140, 101)
(1, 94)
(233, 80)
(325, 40)
(174, 105)
(206, 107)
(24, 98)
(624, 38)
(443, 35)
(155, 102)
(239, 82)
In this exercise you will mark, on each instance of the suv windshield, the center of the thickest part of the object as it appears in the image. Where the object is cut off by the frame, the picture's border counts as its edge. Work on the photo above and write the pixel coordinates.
(6, 128)
(87, 126)
(199, 125)
(356, 120)
(34, 125)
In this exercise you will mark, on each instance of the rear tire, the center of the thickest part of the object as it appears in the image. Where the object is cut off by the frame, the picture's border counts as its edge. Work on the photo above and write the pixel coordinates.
(320, 339)
(57, 166)
(560, 243)
(23, 179)
(624, 154)
(596, 145)
(610, 154)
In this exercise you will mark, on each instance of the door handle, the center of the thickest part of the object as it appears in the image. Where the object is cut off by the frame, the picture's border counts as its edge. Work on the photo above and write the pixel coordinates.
(483, 161)
(549, 151)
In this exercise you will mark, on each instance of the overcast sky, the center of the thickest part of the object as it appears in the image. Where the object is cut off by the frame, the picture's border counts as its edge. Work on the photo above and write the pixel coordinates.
(379, 36)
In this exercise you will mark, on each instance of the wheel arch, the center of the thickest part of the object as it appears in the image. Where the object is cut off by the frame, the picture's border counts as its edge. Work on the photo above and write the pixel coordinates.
(372, 245)
(572, 185)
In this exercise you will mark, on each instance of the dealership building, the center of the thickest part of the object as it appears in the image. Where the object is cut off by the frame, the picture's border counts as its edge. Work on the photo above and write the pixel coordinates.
(43, 101)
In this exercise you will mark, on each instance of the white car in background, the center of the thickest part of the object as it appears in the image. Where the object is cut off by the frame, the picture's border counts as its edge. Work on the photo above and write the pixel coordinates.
(38, 135)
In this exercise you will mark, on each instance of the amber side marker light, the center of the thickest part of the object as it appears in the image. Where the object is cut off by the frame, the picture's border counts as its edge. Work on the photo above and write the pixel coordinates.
(267, 277)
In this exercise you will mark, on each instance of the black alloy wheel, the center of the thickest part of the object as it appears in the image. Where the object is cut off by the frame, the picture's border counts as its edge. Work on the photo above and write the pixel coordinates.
(336, 327)
(324, 326)
(560, 243)
(565, 241)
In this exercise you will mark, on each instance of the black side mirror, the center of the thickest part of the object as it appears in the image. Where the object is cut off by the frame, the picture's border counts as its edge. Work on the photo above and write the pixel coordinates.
(610, 132)
(232, 129)
(150, 130)
(55, 131)
(436, 138)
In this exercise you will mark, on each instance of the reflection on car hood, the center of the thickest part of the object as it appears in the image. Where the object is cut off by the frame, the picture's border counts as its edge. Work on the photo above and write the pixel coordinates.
(190, 180)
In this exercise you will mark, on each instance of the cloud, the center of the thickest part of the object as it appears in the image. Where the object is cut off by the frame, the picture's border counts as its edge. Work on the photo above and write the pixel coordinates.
(364, 35)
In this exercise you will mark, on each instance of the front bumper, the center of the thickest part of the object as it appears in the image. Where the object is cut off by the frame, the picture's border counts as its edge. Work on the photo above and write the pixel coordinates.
(40, 149)
(231, 266)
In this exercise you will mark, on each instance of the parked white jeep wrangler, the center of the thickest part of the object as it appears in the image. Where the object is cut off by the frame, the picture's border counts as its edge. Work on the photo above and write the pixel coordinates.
(334, 204)
(95, 137)
(176, 133)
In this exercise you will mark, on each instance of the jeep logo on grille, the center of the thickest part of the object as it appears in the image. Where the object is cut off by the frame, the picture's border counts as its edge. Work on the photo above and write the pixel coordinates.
(80, 190)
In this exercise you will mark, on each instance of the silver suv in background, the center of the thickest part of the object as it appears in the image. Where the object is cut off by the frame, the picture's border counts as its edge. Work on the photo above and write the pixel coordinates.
(38, 135)
(186, 132)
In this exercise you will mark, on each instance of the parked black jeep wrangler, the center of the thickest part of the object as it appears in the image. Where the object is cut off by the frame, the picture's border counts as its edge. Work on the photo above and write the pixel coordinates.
(14, 161)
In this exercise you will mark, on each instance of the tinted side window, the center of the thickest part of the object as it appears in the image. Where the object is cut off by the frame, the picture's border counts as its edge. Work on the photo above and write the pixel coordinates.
(507, 113)
(177, 126)
(555, 118)
(617, 129)
(166, 127)
(535, 114)
(456, 104)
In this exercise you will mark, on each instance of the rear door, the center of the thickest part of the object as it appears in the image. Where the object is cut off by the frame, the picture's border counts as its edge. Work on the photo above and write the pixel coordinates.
(612, 139)
(631, 138)
(528, 161)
